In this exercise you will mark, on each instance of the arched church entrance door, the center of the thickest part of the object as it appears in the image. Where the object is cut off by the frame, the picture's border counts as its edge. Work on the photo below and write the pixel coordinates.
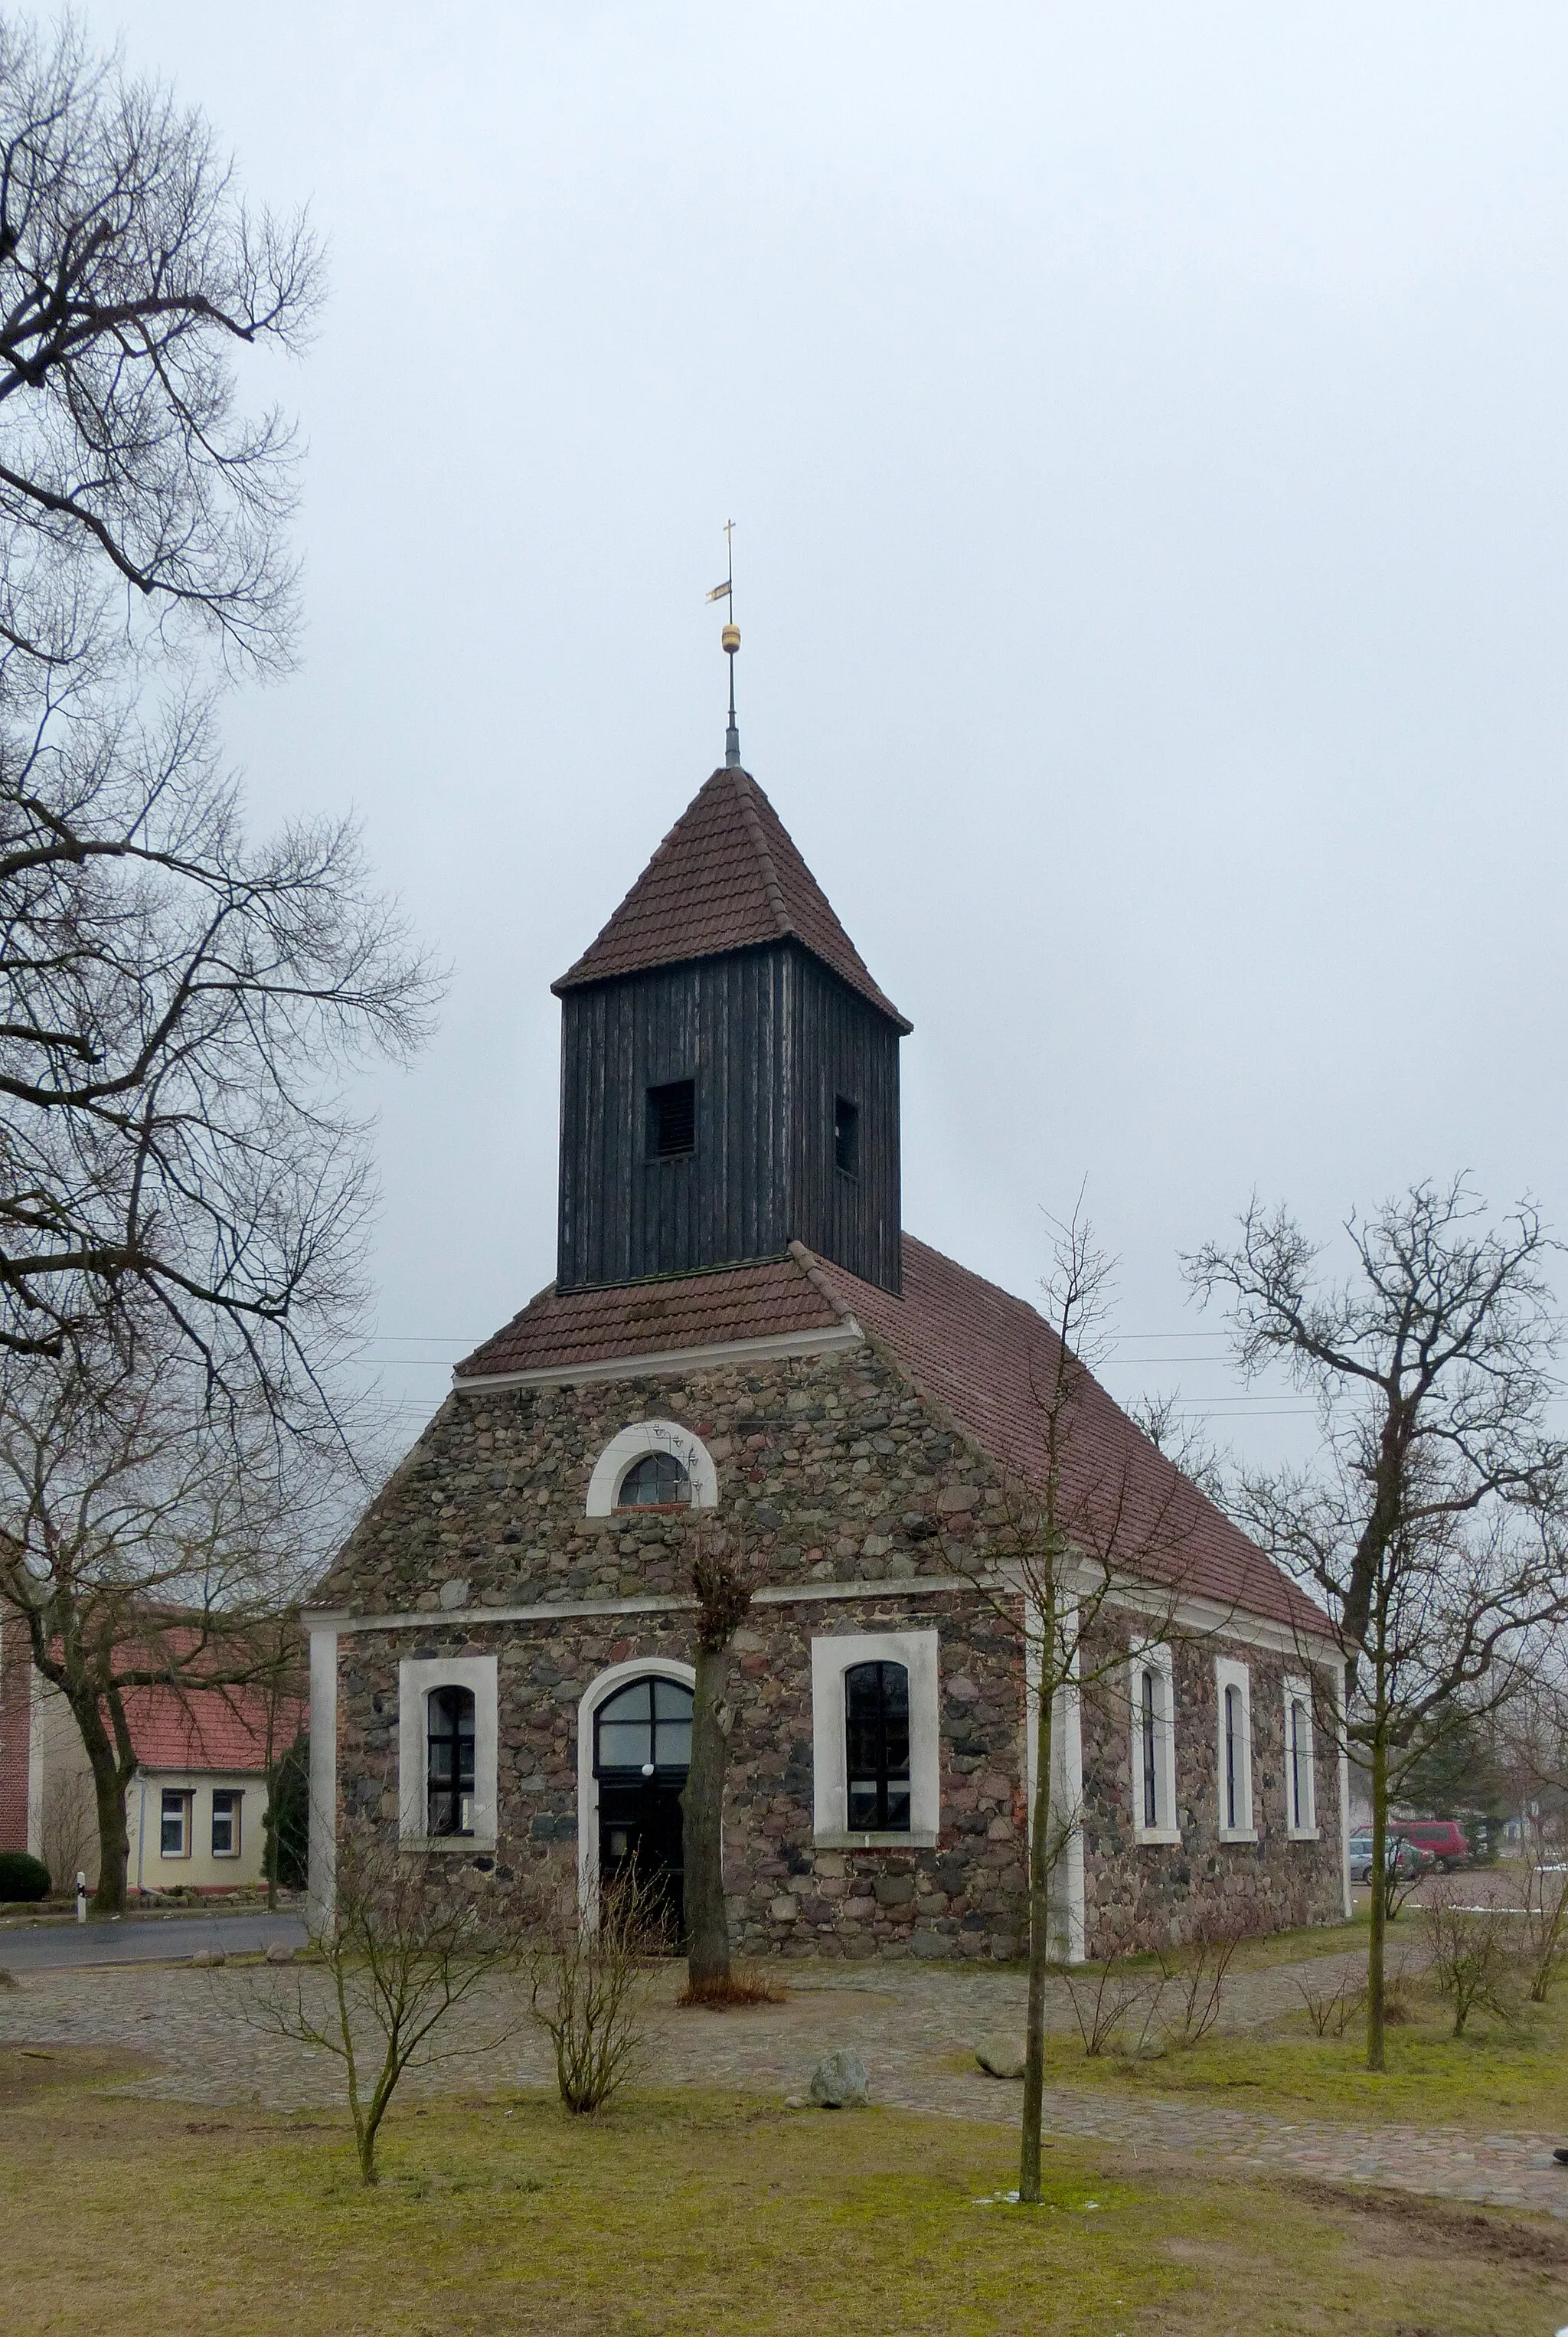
(641, 1751)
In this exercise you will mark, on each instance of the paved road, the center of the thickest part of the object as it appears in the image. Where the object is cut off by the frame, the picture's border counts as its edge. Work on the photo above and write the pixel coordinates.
(143, 1939)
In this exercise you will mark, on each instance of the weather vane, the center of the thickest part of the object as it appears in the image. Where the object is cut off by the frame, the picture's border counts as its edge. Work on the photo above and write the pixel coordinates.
(730, 641)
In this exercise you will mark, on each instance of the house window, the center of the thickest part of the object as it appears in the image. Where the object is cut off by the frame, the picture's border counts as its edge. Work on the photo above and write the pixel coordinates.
(174, 1826)
(672, 1119)
(449, 1739)
(656, 1481)
(846, 1136)
(224, 1823)
(1301, 1783)
(1154, 1747)
(877, 1747)
(1235, 1751)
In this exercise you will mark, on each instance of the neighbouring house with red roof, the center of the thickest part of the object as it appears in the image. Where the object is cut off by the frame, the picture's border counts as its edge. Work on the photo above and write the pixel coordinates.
(196, 1807)
(740, 1333)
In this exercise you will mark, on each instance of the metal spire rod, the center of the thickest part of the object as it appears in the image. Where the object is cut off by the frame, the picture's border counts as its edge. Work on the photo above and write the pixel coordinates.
(730, 641)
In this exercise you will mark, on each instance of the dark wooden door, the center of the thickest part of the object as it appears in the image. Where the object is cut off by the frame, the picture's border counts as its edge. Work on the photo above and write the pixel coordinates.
(639, 1825)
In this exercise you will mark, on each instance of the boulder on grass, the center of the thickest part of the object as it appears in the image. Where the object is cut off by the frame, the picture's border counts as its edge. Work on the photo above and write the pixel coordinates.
(1000, 2056)
(280, 1953)
(205, 1959)
(838, 2081)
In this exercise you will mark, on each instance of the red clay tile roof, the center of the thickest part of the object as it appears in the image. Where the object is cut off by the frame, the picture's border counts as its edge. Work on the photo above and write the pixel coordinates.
(220, 1729)
(725, 877)
(981, 1353)
(975, 1349)
(648, 1318)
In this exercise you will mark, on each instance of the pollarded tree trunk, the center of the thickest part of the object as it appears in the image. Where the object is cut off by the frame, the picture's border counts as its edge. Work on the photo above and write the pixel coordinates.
(702, 1822)
(722, 1583)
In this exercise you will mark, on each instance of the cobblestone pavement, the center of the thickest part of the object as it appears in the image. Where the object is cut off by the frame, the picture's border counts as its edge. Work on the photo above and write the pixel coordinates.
(914, 2025)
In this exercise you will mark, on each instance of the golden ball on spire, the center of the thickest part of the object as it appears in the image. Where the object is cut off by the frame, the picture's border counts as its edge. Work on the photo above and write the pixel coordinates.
(730, 638)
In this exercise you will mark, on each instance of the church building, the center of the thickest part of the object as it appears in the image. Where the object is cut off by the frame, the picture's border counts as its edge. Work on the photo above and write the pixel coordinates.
(740, 1333)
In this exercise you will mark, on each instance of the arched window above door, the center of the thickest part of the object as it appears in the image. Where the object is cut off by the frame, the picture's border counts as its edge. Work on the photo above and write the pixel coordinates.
(644, 1729)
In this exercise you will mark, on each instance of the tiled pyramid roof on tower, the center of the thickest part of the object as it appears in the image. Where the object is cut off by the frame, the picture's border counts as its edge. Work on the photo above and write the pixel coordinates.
(725, 877)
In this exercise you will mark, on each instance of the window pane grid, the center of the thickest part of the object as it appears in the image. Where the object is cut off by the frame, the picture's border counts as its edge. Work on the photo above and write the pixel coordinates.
(1151, 1782)
(877, 1744)
(658, 1480)
(449, 1774)
(647, 1726)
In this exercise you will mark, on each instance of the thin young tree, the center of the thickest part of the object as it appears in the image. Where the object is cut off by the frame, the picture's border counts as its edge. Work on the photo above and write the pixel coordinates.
(722, 1579)
(1431, 1522)
(1085, 1568)
(403, 1949)
(139, 1550)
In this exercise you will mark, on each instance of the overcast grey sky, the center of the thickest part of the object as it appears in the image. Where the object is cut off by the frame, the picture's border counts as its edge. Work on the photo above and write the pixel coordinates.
(1145, 427)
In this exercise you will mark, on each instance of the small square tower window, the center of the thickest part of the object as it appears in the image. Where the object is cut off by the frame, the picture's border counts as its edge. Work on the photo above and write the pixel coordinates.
(672, 1119)
(846, 1136)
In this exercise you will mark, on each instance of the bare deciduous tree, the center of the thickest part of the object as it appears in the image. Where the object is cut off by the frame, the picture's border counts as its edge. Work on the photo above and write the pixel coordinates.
(586, 1983)
(1431, 1522)
(1080, 1536)
(179, 1010)
(403, 1949)
(132, 273)
(140, 1550)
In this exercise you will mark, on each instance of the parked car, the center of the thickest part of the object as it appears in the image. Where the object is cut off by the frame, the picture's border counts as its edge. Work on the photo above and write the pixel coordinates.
(1405, 1859)
(1445, 1837)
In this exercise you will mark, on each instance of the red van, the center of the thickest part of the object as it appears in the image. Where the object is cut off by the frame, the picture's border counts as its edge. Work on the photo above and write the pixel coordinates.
(1444, 1837)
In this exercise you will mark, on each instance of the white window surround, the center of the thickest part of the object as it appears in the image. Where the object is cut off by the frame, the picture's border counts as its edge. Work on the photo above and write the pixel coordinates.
(173, 1800)
(831, 1657)
(1228, 1673)
(644, 1436)
(416, 1677)
(236, 1799)
(1156, 1661)
(598, 1692)
(1068, 1920)
(1299, 1692)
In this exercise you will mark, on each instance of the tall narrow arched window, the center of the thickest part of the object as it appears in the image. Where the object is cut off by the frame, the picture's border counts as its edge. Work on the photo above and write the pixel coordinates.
(1233, 1759)
(877, 1743)
(1303, 1815)
(449, 1760)
(1146, 1725)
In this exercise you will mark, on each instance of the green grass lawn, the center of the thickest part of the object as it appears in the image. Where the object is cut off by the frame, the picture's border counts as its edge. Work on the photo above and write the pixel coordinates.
(700, 2213)
(1500, 2076)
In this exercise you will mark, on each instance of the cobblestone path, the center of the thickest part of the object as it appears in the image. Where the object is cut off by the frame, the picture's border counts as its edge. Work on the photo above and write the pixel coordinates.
(914, 2025)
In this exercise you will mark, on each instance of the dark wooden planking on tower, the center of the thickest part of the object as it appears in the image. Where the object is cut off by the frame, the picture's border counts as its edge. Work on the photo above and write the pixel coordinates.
(726, 968)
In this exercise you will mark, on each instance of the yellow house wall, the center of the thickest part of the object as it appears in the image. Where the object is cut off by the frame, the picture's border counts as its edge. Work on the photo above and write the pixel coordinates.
(200, 1871)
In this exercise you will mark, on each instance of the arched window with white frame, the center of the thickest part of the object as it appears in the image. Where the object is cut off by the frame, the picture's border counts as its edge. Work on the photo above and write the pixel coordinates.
(1153, 1747)
(1233, 1694)
(653, 1464)
(1300, 1769)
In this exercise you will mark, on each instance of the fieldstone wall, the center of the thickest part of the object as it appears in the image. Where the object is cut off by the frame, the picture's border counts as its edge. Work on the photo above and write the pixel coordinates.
(961, 1897)
(835, 1472)
(1147, 1894)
